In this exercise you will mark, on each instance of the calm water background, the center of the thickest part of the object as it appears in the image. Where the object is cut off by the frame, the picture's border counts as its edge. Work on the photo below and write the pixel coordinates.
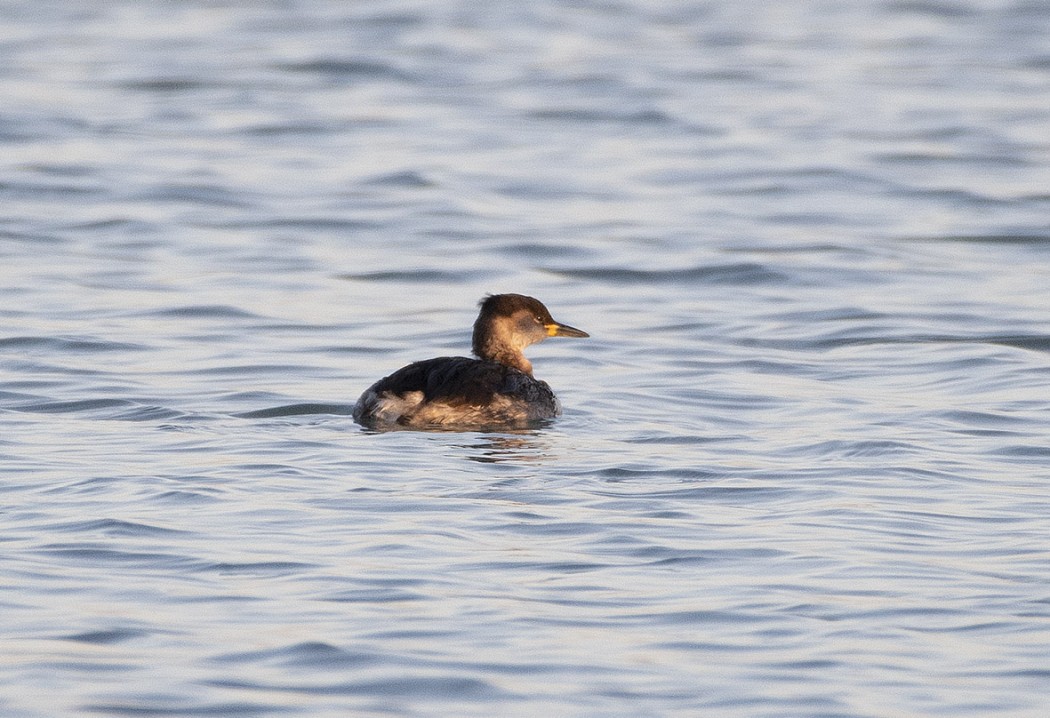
(804, 464)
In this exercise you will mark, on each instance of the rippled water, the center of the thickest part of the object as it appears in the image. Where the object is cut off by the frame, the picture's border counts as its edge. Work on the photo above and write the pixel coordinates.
(804, 463)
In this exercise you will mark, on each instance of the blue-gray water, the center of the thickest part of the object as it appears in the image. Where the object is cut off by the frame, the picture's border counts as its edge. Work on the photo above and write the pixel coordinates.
(804, 467)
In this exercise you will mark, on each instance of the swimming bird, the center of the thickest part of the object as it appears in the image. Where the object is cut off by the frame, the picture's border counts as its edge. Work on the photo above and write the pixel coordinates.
(496, 389)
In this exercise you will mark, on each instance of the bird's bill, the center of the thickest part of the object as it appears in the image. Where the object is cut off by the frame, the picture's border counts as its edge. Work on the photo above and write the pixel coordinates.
(564, 330)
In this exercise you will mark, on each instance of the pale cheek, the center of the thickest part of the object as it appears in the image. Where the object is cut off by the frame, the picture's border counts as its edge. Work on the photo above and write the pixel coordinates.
(532, 335)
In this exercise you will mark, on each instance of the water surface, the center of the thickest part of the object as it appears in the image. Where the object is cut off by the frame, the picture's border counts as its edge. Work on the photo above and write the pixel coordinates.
(803, 464)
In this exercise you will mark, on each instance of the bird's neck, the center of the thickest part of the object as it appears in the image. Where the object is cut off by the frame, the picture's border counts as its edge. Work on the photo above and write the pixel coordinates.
(511, 358)
(490, 348)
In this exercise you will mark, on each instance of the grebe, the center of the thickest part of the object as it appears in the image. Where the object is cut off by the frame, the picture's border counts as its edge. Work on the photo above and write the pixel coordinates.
(496, 389)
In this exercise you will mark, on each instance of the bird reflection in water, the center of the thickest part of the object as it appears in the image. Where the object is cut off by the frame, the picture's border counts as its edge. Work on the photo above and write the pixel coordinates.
(509, 446)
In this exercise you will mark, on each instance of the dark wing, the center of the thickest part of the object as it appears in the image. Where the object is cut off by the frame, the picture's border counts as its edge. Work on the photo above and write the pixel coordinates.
(453, 380)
